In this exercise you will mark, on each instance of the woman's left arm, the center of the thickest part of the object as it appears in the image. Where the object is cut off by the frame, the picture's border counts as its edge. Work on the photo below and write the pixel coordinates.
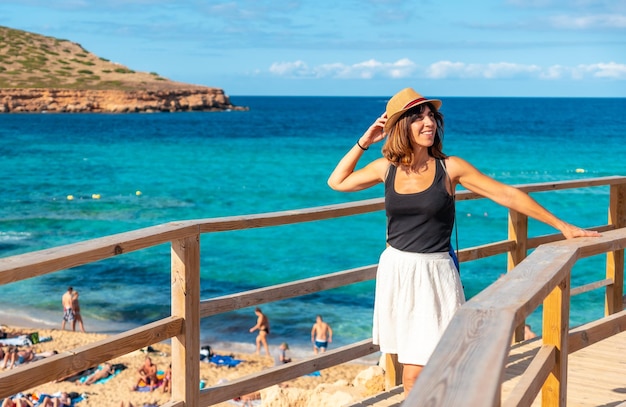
(462, 172)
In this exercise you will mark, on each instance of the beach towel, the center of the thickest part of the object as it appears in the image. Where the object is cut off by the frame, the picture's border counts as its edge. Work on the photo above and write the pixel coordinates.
(222, 360)
(21, 340)
(116, 369)
(24, 340)
(144, 387)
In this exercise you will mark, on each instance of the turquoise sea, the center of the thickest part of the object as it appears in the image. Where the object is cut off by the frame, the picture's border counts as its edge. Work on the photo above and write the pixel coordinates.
(276, 156)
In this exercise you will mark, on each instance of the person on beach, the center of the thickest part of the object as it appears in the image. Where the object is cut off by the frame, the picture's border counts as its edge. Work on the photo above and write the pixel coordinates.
(418, 288)
(64, 400)
(281, 356)
(68, 307)
(77, 317)
(321, 335)
(147, 375)
(19, 400)
(263, 326)
(105, 370)
(167, 380)
(15, 357)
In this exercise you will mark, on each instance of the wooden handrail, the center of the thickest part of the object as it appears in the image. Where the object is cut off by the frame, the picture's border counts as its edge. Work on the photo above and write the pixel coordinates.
(467, 365)
(28, 265)
(481, 330)
(226, 303)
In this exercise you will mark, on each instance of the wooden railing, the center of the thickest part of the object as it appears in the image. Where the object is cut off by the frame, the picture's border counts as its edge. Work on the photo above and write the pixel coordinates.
(479, 336)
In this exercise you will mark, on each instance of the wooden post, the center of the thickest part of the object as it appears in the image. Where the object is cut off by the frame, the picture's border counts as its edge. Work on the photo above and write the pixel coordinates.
(393, 371)
(555, 332)
(518, 232)
(186, 304)
(615, 260)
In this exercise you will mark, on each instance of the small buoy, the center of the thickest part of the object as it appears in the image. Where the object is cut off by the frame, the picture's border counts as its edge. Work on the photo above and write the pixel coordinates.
(138, 193)
(70, 197)
(580, 170)
(95, 196)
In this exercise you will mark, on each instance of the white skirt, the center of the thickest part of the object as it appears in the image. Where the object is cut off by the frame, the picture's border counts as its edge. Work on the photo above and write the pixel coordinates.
(416, 296)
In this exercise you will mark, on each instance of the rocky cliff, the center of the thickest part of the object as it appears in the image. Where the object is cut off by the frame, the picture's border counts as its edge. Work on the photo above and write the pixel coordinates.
(45, 74)
(114, 101)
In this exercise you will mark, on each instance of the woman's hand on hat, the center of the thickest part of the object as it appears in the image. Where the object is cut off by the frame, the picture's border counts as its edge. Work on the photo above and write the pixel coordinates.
(375, 132)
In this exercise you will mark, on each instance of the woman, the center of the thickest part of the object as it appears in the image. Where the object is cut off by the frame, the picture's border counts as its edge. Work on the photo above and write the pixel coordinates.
(16, 357)
(418, 288)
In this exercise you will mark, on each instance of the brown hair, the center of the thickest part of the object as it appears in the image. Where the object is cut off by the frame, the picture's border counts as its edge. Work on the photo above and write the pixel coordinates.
(398, 148)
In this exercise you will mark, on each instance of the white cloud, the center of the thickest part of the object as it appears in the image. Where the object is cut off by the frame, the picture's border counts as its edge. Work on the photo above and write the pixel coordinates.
(554, 72)
(609, 70)
(589, 21)
(405, 68)
(371, 68)
(296, 68)
(447, 69)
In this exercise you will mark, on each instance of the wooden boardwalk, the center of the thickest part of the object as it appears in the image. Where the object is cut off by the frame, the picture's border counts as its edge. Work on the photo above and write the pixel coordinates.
(596, 375)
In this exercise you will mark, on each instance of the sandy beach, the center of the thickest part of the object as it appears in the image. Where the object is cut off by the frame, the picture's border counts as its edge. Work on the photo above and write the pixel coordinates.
(119, 388)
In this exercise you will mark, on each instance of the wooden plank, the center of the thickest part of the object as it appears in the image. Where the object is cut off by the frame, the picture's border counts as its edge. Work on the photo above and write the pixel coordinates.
(617, 206)
(465, 195)
(518, 232)
(476, 340)
(533, 378)
(615, 259)
(278, 292)
(555, 333)
(83, 357)
(185, 283)
(392, 398)
(590, 287)
(278, 374)
(33, 264)
(486, 250)
(537, 241)
(591, 246)
(596, 331)
(289, 217)
(393, 371)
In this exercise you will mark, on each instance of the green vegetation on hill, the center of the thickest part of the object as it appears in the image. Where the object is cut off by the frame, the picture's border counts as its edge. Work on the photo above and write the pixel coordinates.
(29, 60)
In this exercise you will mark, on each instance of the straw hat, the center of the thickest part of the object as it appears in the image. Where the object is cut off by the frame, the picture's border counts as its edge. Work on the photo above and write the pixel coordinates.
(401, 102)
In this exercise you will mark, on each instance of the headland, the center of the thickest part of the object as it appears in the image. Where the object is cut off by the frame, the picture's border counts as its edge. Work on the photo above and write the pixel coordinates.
(39, 73)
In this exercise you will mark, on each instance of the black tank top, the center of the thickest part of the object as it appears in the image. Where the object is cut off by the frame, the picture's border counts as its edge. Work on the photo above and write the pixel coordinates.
(420, 222)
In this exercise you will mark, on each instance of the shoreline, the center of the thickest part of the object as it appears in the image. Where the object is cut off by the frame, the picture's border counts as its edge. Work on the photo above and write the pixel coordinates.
(24, 320)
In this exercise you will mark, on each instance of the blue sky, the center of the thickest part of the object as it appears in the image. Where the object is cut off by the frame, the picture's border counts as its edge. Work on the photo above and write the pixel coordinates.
(352, 47)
